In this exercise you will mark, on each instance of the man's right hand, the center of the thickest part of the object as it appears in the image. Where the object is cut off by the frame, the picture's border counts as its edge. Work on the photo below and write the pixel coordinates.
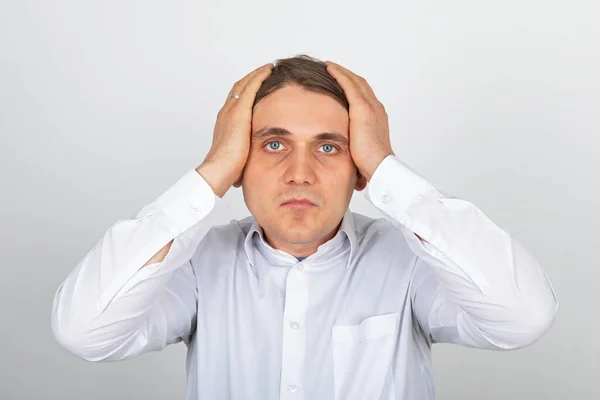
(224, 164)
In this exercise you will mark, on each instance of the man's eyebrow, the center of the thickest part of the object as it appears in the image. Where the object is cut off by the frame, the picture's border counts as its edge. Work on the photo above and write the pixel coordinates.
(277, 131)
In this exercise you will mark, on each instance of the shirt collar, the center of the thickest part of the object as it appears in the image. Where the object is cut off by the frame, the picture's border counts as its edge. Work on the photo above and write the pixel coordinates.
(347, 229)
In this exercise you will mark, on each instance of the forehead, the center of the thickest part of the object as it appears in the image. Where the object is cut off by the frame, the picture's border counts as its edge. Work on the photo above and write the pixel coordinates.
(302, 112)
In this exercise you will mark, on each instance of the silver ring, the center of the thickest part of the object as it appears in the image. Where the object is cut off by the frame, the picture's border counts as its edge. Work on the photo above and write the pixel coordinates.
(234, 95)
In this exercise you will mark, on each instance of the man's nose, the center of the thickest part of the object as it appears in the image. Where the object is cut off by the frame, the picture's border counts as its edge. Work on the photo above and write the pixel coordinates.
(300, 168)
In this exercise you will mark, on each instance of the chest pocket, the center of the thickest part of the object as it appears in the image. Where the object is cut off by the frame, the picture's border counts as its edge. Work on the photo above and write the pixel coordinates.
(362, 358)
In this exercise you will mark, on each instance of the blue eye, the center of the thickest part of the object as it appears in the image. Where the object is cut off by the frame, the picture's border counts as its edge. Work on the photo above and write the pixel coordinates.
(272, 147)
(329, 145)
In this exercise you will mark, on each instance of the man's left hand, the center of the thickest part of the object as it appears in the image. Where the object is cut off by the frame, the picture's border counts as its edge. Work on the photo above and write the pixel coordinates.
(369, 127)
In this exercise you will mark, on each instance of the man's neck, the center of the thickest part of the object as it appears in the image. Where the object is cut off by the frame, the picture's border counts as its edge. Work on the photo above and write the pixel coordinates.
(299, 253)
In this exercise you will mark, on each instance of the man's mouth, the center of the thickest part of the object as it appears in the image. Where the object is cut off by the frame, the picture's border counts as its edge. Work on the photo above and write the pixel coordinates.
(298, 204)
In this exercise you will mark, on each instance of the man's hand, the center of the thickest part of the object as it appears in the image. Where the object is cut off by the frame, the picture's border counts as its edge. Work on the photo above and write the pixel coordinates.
(225, 161)
(369, 127)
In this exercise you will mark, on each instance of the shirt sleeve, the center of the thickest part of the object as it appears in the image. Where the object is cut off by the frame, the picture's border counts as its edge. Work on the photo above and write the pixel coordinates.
(109, 307)
(473, 283)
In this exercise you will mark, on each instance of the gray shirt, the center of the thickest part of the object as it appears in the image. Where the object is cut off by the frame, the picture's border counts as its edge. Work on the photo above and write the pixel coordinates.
(354, 321)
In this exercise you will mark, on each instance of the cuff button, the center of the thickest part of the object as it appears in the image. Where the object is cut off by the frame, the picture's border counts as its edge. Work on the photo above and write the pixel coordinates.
(195, 210)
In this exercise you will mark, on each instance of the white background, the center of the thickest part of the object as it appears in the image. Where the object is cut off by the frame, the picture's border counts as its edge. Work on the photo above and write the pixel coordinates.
(103, 105)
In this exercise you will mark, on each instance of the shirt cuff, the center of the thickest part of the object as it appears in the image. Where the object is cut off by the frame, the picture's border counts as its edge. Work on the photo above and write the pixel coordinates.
(188, 201)
(176, 213)
(394, 187)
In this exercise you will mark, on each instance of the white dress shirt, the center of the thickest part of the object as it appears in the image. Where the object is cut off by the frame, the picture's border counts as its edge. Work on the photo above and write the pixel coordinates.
(354, 321)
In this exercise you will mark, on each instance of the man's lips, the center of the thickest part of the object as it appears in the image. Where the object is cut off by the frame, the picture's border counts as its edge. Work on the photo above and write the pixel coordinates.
(298, 204)
(297, 201)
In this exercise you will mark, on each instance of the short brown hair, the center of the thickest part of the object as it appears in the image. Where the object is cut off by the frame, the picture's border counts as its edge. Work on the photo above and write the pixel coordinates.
(305, 71)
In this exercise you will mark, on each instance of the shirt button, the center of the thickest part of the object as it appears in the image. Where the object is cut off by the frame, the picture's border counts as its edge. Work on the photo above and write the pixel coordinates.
(195, 210)
(293, 388)
(385, 198)
(295, 325)
(301, 267)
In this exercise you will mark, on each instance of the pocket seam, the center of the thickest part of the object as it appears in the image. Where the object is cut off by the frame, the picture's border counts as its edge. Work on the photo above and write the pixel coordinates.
(372, 327)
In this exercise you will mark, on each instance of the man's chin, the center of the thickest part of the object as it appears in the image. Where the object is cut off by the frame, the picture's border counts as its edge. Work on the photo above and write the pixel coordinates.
(296, 232)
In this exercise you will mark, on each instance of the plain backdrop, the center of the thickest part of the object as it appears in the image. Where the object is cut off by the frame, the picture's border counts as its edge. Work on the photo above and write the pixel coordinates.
(105, 104)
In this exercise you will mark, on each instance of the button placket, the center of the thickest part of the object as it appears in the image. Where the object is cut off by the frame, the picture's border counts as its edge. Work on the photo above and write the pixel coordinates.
(293, 341)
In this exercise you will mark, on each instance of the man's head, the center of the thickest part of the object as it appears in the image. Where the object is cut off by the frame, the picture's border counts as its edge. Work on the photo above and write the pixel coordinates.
(306, 156)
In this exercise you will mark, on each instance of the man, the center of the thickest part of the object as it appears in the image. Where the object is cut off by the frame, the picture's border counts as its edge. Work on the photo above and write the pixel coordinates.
(303, 299)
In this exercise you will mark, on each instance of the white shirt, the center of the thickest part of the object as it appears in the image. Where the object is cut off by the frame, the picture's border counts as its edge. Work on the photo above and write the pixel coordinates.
(354, 321)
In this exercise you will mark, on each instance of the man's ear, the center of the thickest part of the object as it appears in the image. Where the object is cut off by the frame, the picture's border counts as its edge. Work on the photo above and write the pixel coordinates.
(238, 183)
(361, 183)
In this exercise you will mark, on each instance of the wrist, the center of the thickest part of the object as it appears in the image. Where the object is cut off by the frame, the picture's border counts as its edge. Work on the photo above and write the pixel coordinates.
(374, 164)
(216, 177)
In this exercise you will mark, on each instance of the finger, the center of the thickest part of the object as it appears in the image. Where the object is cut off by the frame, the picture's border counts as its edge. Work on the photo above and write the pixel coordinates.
(248, 94)
(352, 81)
(240, 85)
(350, 87)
